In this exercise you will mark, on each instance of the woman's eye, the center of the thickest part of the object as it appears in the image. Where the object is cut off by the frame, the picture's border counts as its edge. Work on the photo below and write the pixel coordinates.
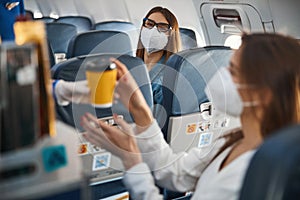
(149, 24)
(231, 71)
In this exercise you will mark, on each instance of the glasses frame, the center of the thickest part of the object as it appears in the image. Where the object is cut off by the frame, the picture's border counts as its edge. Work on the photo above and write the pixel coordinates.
(157, 25)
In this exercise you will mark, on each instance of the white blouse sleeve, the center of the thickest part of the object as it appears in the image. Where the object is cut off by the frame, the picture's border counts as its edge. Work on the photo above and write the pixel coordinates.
(178, 172)
(140, 183)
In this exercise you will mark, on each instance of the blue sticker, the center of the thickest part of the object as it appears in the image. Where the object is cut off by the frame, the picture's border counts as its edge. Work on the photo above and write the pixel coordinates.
(205, 139)
(101, 161)
(54, 157)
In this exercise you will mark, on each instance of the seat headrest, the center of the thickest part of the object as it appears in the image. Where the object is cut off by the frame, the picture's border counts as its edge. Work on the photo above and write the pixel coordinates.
(115, 26)
(82, 23)
(188, 38)
(191, 70)
(59, 35)
(93, 42)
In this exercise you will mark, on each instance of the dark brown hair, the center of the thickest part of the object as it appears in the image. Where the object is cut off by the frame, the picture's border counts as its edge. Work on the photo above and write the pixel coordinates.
(174, 43)
(272, 61)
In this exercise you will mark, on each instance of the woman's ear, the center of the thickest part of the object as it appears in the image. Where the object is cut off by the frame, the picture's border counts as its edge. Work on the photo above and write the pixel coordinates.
(265, 96)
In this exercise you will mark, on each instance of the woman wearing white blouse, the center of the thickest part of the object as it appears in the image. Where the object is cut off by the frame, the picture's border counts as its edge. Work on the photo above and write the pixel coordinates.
(261, 86)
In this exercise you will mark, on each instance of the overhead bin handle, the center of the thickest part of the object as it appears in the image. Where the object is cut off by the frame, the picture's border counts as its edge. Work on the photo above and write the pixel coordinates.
(223, 16)
(227, 18)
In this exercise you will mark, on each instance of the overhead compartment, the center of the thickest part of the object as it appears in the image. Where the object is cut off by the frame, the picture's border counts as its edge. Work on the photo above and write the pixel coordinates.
(221, 18)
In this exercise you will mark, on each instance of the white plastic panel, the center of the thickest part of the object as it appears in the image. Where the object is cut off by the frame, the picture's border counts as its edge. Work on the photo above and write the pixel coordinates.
(286, 15)
(191, 130)
(249, 17)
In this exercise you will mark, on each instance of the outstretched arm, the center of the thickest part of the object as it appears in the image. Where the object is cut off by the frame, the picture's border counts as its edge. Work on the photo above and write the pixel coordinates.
(175, 171)
(128, 92)
(68, 91)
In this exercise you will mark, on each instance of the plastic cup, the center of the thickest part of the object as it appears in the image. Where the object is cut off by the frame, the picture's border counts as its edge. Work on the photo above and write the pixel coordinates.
(101, 81)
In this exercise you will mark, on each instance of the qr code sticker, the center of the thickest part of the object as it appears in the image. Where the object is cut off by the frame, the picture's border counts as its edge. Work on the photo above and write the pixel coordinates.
(101, 161)
(205, 139)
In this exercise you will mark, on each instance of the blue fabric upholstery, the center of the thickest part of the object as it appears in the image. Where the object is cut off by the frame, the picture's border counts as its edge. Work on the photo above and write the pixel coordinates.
(8, 17)
(115, 26)
(273, 173)
(124, 27)
(82, 23)
(46, 19)
(51, 55)
(59, 36)
(73, 69)
(188, 38)
(93, 42)
(185, 78)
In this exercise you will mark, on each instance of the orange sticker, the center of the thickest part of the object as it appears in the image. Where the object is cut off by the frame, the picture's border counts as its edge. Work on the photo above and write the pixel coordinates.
(82, 148)
(191, 128)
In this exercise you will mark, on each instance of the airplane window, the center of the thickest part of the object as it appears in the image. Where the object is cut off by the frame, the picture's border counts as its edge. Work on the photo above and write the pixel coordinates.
(233, 41)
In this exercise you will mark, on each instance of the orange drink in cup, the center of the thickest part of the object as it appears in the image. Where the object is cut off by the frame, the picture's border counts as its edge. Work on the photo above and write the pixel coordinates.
(101, 81)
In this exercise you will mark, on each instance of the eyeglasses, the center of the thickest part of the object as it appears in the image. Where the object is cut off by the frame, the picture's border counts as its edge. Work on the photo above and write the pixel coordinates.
(161, 27)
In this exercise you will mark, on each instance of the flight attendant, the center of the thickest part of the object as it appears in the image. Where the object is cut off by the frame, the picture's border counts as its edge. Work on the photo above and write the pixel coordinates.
(9, 11)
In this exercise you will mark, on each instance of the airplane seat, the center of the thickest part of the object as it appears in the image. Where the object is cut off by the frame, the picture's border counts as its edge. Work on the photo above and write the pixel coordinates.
(74, 70)
(93, 42)
(126, 27)
(82, 23)
(273, 172)
(188, 38)
(188, 120)
(185, 78)
(51, 54)
(59, 36)
(186, 197)
(45, 19)
(115, 26)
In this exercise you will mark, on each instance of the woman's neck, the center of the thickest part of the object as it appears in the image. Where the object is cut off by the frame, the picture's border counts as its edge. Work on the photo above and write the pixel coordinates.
(251, 131)
(252, 138)
(151, 59)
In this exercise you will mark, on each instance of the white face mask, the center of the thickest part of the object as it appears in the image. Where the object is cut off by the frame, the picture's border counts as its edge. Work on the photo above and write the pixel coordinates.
(223, 93)
(153, 40)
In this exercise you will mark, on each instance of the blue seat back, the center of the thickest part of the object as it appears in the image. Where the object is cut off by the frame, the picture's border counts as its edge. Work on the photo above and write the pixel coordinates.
(82, 23)
(188, 38)
(46, 19)
(185, 78)
(273, 173)
(124, 27)
(59, 36)
(74, 70)
(115, 26)
(94, 42)
(51, 55)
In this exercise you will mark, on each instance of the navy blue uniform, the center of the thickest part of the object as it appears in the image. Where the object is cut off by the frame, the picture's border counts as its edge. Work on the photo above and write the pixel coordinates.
(9, 10)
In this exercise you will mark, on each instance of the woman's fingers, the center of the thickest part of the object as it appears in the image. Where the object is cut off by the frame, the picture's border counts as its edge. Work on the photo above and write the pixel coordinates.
(123, 124)
(122, 69)
(96, 135)
(92, 118)
(93, 135)
(110, 131)
(114, 139)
